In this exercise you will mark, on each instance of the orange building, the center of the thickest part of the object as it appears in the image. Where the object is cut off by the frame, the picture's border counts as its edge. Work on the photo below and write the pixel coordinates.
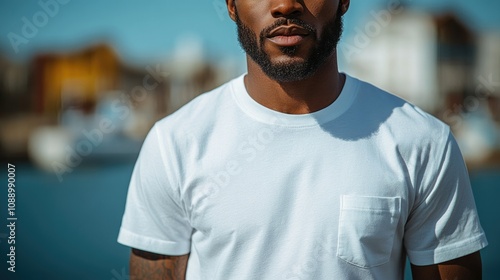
(74, 79)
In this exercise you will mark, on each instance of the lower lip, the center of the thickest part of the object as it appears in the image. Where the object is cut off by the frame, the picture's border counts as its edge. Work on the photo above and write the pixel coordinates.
(287, 41)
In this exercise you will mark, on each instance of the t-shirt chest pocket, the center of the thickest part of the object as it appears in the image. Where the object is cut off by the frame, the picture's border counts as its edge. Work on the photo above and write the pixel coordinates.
(367, 228)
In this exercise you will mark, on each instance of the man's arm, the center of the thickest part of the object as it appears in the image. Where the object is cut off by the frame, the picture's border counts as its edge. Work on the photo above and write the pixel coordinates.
(465, 268)
(151, 266)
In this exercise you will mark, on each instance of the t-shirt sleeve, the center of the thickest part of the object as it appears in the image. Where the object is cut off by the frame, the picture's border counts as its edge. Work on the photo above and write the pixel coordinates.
(443, 224)
(154, 218)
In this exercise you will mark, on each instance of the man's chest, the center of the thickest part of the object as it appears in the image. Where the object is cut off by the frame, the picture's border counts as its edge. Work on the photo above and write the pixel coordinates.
(282, 184)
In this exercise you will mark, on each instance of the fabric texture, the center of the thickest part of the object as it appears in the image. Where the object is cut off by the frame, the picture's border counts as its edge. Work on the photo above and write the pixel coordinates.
(342, 193)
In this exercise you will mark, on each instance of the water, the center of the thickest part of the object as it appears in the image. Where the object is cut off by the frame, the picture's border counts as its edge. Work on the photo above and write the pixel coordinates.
(486, 187)
(68, 230)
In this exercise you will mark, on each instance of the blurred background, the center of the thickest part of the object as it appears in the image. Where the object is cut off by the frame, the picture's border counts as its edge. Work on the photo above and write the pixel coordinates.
(82, 82)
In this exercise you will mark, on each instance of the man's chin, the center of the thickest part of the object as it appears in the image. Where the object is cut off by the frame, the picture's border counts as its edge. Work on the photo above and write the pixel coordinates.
(288, 72)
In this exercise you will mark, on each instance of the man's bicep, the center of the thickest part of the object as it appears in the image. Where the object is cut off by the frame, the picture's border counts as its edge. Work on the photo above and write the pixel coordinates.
(146, 265)
(464, 268)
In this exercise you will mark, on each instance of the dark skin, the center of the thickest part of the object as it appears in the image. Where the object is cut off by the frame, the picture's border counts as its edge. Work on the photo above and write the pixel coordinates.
(151, 266)
(465, 268)
(293, 98)
(290, 97)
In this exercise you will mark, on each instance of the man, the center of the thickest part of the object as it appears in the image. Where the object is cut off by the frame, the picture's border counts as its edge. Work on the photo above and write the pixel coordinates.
(296, 171)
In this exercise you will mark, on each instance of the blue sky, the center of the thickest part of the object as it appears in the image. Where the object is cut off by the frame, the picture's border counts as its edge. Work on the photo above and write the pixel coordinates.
(145, 30)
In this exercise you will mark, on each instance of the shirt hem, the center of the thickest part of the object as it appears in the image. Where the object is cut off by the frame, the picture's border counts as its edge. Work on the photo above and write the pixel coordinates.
(133, 240)
(448, 252)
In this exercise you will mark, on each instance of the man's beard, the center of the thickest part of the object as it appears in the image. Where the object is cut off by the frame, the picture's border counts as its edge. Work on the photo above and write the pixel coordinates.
(291, 71)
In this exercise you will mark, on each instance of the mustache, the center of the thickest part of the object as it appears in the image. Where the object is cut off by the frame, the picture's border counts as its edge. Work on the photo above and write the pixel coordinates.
(284, 21)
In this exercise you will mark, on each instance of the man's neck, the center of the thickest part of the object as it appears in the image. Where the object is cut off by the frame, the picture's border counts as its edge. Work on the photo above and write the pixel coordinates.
(301, 97)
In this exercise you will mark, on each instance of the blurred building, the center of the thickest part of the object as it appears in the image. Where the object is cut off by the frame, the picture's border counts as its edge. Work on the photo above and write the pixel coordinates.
(14, 98)
(16, 103)
(478, 130)
(190, 71)
(58, 98)
(421, 57)
(74, 79)
(399, 57)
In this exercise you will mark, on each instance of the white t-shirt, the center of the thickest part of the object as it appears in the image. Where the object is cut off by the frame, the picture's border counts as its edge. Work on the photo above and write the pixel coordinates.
(341, 193)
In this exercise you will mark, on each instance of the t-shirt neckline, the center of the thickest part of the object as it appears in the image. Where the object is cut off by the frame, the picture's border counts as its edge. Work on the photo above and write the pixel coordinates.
(263, 114)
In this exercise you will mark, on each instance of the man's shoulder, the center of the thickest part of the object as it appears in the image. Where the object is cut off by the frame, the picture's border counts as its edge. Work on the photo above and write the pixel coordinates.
(399, 117)
(200, 111)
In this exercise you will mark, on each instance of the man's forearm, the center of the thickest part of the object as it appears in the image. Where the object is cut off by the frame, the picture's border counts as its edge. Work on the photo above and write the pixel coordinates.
(150, 266)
